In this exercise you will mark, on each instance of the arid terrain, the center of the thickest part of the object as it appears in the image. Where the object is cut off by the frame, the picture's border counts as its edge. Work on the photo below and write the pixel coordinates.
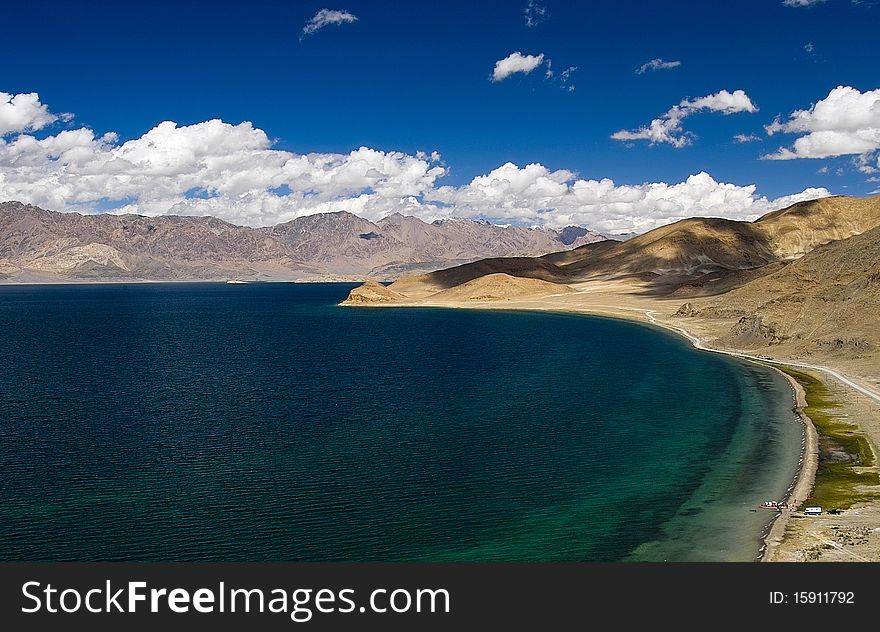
(798, 288)
(43, 246)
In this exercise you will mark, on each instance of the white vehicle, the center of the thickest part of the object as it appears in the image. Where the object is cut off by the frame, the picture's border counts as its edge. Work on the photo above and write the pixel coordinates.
(813, 511)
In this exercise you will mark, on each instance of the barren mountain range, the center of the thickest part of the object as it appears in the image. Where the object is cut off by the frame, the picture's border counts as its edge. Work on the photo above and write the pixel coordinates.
(801, 282)
(40, 245)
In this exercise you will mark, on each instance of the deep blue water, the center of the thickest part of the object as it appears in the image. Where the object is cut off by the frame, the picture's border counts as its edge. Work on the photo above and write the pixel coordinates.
(263, 422)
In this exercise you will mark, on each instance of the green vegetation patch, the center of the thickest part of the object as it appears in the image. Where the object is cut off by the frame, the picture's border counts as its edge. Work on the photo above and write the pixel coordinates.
(843, 450)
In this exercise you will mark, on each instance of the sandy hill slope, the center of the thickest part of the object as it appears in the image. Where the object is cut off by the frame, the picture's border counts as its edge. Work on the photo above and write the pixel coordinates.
(372, 293)
(692, 248)
(499, 287)
(36, 244)
(703, 255)
(794, 231)
(525, 267)
(827, 301)
(491, 287)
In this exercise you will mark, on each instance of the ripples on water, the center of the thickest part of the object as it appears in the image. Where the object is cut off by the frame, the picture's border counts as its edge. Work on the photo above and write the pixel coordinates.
(261, 422)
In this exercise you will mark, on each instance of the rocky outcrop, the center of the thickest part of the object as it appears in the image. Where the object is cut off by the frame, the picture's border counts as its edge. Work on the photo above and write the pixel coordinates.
(841, 343)
(687, 309)
(690, 310)
(749, 330)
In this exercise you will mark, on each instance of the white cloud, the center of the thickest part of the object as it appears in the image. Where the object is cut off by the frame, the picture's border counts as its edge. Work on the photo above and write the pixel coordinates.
(516, 62)
(232, 168)
(234, 173)
(657, 64)
(535, 195)
(535, 13)
(811, 193)
(327, 17)
(668, 127)
(23, 113)
(801, 3)
(746, 138)
(846, 122)
(723, 101)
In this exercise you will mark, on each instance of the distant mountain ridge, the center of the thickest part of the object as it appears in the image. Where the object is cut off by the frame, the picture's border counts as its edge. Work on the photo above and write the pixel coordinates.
(38, 245)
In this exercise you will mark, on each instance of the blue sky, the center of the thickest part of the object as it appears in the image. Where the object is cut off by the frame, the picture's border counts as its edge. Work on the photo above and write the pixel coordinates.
(411, 77)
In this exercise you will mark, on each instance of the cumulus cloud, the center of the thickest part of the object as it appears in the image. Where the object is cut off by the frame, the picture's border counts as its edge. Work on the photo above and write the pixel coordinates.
(535, 13)
(723, 101)
(23, 113)
(801, 3)
(846, 122)
(233, 172)
(514, 63)
(535, 195)
(210, 168)
(668, 127)
(657, 64)
(327, 17)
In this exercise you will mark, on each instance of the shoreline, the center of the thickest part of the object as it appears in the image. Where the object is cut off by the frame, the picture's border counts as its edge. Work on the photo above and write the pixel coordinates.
(805, 478)
(776, 535)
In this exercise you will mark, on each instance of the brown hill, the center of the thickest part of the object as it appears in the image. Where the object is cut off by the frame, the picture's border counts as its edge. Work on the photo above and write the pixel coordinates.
(499, 287)
(695, 256)
(433, 282)
(794, 231)
(686, 249)
(372, 293)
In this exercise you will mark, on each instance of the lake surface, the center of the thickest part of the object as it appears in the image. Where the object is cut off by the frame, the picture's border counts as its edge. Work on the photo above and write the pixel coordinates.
(262, 422)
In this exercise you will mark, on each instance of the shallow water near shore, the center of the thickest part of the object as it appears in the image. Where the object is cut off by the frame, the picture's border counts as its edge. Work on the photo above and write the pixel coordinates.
(262, 422)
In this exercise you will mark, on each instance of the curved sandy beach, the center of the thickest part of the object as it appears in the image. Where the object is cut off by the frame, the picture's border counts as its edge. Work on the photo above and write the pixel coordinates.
(806, 475)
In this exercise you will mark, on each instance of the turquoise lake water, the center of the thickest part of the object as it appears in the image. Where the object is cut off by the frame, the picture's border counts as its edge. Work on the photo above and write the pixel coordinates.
(262, 422)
